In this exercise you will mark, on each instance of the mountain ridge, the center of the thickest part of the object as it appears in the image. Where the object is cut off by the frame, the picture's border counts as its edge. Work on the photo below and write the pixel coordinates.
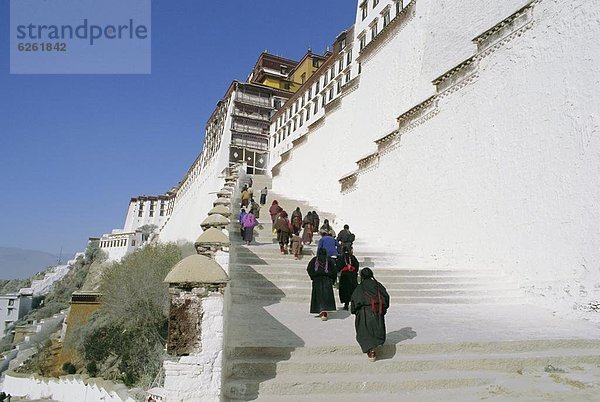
(18, 263)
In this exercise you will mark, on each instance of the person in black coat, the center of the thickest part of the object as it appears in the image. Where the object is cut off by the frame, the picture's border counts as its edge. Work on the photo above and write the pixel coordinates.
(347, 267)
(346, 238)
(321, 270)
(370, 301)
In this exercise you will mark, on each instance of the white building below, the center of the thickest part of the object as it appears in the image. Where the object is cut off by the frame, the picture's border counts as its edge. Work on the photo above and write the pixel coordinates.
(13, 307)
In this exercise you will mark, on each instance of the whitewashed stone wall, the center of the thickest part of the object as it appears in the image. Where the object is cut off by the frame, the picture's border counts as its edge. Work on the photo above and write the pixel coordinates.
(503, 174)
(71, 388)
(196, 197)
(198, 377)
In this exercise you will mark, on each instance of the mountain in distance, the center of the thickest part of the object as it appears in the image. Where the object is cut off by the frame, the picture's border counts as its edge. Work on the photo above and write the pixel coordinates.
(17, 263)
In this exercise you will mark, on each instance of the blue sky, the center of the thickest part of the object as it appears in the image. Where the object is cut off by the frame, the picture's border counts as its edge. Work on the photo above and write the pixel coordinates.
(75, 148)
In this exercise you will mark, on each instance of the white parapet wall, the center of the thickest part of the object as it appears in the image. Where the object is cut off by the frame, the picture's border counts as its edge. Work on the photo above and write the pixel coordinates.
(197, 377)
(498, 170)
(197, 190)
(71, 388)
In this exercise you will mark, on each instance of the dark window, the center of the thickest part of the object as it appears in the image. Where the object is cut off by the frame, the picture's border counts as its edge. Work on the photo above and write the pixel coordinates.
(315, 62)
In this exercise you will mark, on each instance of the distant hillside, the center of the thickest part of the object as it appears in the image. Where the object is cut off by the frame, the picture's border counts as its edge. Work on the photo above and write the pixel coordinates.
(16, 263)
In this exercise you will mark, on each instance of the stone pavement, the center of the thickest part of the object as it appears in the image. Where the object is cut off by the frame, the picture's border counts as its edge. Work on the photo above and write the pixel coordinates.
(452, 334)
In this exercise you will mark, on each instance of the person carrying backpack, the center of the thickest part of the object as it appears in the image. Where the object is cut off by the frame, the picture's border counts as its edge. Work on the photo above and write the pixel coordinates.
(369, 303)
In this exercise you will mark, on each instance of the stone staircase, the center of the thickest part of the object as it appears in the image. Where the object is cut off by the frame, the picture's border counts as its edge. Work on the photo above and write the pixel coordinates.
(448, 330)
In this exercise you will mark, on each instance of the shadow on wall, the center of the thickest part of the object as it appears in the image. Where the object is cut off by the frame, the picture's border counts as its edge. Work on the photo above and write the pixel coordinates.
(256, 342)
(388, 351)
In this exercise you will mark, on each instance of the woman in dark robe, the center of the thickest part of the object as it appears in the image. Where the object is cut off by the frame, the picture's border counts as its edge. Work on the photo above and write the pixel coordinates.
(321, 270)
(347, 267)
(296, 221)
(307, 234)
(316, 221)
(370, 301)
(284, 230)
(274, 210)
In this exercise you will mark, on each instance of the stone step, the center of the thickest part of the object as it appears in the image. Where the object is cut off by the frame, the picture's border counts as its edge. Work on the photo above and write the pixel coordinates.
(287, 386)
(265, 250)
(269, 299)
(264, 368)
(414, 282)
(299, 267)
(394, 293)
(286, 280)
(421, 349)
(278, 257)
(303, 281)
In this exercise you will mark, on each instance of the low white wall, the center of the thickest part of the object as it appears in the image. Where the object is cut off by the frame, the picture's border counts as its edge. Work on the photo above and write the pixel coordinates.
(72, 388)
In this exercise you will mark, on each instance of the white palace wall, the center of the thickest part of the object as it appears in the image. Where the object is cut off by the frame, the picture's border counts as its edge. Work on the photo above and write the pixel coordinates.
(500, 171)
(196, 199)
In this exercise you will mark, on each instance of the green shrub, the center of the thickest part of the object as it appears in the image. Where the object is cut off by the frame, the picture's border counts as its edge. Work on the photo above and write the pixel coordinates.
(92, 369)
(124, 339)
(69, 368)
